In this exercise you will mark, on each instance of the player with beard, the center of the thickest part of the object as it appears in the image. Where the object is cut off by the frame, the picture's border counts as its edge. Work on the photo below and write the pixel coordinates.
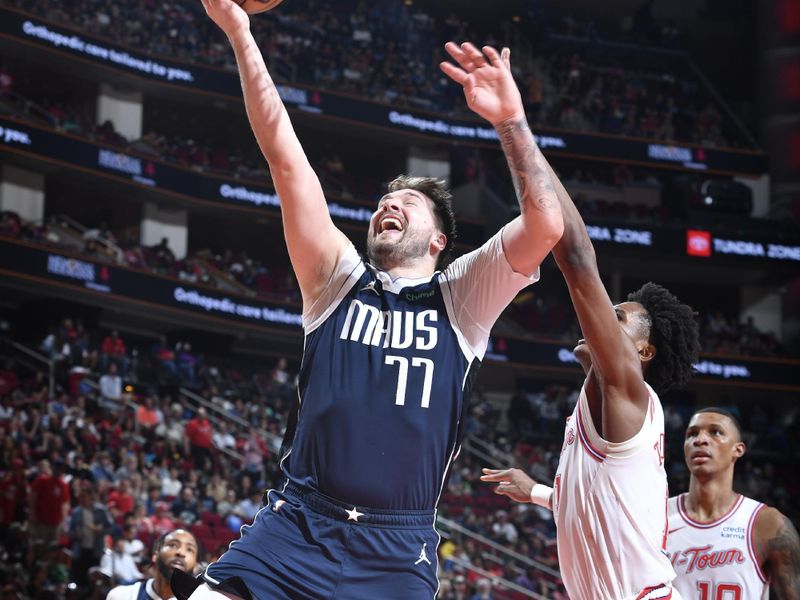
(392, 345)
(176, 550)
(723, 545)
(610, 490)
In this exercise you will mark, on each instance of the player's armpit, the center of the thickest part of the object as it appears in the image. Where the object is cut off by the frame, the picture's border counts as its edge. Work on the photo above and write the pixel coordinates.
(780, 552)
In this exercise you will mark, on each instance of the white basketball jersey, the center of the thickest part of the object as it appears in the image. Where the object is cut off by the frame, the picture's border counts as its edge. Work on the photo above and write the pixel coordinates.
(716, 560)
(610, 506)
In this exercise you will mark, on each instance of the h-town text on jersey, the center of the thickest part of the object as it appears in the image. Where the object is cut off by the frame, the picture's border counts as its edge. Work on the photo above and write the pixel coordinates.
(705, 557)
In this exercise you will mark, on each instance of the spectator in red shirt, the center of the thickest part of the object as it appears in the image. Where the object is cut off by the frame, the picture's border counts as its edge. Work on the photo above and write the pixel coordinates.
(113, 351)
(49, 502)
(198, 438)
(120, 499)
(148, 417)
(162, 522)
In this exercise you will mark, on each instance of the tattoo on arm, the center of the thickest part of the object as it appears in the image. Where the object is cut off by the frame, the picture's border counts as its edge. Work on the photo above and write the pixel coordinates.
(528, 169)
(783, 559)
(537, 185)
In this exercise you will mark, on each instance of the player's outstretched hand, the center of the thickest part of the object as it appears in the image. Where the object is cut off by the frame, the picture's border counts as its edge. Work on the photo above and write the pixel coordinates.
(510, 482)
(229, 16)
(487, 80)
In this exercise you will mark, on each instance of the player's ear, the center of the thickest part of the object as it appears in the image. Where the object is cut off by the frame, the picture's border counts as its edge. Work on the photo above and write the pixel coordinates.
(647, 351)
(738, 450)
(439, 241)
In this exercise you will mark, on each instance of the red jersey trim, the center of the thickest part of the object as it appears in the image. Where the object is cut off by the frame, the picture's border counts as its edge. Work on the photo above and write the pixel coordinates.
(593, 452)
(665, 593)
(751, 543)
(700, 525)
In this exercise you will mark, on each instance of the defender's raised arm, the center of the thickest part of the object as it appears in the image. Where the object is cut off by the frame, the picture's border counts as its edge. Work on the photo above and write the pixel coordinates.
(615, 356)
(491, 92)
(314, 243)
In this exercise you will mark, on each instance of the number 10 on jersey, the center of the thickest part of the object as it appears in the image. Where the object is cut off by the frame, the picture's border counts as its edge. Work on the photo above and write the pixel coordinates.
(402, 377)
(722, 591)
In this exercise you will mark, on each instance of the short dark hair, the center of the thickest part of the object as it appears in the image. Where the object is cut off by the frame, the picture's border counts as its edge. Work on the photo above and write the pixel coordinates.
(437, 191)
(673, 331)
(724, 412)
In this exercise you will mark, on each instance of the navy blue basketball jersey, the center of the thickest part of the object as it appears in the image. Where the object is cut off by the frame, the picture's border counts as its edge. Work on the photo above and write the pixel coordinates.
(141, 590)
(386, 372)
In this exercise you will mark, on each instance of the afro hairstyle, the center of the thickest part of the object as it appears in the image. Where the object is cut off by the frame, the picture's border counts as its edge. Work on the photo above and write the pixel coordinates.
(673, 332)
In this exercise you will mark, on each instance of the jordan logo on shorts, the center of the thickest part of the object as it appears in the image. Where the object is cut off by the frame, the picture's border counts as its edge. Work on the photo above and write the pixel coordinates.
(423, 556)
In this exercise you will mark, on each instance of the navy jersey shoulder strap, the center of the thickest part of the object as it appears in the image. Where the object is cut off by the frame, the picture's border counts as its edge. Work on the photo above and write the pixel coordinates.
(143, 595)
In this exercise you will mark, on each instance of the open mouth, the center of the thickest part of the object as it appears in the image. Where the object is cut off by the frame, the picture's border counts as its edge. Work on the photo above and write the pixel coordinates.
(390, 223)
(177, 563)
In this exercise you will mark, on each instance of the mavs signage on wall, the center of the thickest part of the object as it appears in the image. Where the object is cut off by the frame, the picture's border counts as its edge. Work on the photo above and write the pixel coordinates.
(21, 27)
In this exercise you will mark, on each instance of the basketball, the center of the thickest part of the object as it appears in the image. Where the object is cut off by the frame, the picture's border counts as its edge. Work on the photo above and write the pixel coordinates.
(252, 7)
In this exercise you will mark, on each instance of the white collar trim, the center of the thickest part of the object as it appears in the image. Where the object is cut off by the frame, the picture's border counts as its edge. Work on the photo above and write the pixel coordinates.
(149, 587)
(395, 285)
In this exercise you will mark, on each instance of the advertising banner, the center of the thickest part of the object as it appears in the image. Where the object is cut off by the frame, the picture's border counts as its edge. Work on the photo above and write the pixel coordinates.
(53, 266)
(20, 27)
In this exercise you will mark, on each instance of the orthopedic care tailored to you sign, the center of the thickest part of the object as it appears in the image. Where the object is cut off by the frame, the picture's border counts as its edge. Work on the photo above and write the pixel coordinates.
(50, 36)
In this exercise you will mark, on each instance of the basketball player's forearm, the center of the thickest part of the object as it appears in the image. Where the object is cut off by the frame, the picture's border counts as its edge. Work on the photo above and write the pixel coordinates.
(537, 185)
(537, 198)
(783, 557)
(575, 248)
(265, 110)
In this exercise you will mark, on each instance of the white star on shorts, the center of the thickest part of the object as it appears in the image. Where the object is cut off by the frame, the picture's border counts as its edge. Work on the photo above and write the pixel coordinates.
(352, 515)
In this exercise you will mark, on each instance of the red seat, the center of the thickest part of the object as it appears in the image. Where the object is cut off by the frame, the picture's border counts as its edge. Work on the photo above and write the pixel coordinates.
(200, 530)
(211, 519)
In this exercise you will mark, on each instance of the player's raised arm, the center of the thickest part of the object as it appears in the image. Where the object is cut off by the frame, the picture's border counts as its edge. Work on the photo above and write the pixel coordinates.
(779, 551)
(314, 243)
(491, 92)
(616, 358)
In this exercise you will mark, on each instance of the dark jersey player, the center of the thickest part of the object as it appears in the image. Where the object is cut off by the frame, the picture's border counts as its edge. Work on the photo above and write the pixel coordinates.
(391, 347)
(176, 550)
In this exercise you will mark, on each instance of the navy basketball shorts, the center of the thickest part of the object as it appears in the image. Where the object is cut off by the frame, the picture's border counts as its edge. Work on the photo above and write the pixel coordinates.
(304, 545)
